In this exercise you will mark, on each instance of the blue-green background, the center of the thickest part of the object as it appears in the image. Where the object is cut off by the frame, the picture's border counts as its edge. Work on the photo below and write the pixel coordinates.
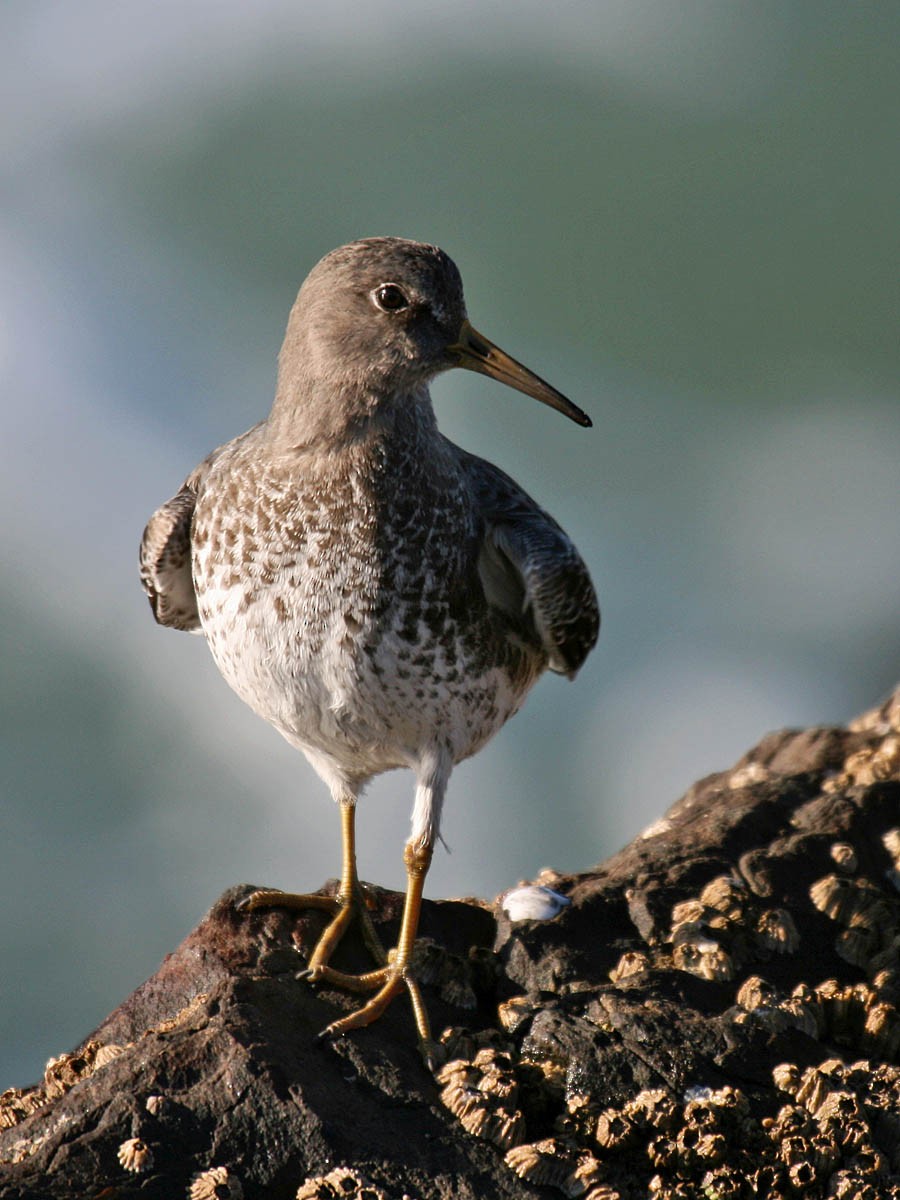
(682, 214)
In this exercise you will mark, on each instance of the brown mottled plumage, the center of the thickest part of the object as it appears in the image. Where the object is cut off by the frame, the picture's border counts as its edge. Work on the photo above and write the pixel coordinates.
(380, 596)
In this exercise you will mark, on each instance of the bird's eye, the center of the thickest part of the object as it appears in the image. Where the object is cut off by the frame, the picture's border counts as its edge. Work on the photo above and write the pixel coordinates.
(390, 298)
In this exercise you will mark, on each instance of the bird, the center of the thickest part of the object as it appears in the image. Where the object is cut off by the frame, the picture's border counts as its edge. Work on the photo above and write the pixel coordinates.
(382, 597)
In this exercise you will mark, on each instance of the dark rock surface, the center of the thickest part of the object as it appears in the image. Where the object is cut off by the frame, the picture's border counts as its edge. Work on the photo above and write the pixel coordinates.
(714, 1014)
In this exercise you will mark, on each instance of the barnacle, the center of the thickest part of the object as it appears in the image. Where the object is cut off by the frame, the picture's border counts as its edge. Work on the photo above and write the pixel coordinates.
(799, 1009)
(339, 1184)
(687, 911)
(613, 1130)
(722, 1183)
(135, 1155)
(585, 1175)
(844, 857)
(814, 1088)
(792, 1120)
(652, 1107)
(856, 945)
(516, 1011)
(776, 930)
(824, 1153)
(216, 1183)
(802, 1175)
(847, 1184)
(869, 1161)
(833, 895)
(663, 1152)
(728, 1101)
(632, 962)
(458, 991)
(107, 1054)
(710, 1148)
(881, 1033)
(700, 955)
(881, 719)
(726, 894)
(155, 1105)
(756, 992)
(765, 1180)
(786, 1077)
(603, 1191)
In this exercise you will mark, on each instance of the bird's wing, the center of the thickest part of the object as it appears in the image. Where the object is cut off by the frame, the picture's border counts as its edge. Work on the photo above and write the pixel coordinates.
(166, 557)
(531, 571)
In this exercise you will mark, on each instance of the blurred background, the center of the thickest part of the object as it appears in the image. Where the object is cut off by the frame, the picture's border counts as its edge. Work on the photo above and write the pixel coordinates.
(684, 216)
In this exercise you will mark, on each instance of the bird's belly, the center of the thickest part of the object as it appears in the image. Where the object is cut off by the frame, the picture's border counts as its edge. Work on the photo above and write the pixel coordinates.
(340, 677)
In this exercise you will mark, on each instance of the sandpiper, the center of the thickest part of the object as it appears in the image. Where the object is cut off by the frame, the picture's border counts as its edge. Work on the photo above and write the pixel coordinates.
(382, 597)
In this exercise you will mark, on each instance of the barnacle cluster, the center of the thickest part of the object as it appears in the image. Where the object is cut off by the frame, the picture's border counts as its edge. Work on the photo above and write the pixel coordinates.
(840, 1131)
(339, 1184)
(845, 1014)
(60, 1074)
(826, 1131)
(873, 763)
(868, 918)
(725, 927)
(63, 1072)
(482, 1091)
(842, 1127)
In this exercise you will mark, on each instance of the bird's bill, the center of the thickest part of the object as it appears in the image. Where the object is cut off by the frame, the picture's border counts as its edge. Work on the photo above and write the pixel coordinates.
(475, 352)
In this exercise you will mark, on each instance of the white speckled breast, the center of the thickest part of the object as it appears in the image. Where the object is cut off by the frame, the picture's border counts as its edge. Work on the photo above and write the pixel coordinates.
(340, 600)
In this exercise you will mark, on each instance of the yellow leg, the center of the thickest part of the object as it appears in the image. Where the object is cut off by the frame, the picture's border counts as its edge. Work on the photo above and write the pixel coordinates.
(395, 976)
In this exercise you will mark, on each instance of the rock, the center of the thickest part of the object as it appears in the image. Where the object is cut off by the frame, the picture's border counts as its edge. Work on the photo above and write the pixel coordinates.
(715, 1010)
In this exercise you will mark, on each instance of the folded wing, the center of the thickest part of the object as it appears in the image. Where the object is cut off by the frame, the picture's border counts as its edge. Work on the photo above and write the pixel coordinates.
(531, 571)
(166, 559)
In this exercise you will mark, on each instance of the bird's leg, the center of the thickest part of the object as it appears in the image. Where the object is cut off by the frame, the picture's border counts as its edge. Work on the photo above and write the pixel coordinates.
(397, 973)
(349, 901)
(392, 978)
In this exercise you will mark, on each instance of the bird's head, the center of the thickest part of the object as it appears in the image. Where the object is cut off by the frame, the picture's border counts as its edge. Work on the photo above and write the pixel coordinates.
(377, 319)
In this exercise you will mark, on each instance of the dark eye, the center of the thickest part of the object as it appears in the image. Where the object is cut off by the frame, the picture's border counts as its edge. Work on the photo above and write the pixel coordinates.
(390, 298)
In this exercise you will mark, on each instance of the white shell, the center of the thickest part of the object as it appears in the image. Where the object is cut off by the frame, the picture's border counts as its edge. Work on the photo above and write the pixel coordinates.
(533, 902)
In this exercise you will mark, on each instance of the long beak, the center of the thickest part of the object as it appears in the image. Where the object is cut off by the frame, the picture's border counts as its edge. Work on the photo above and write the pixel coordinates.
(477, 353)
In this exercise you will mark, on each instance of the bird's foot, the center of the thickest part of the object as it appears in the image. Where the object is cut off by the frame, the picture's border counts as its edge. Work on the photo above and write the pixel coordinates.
(387, 982)
(343, 907)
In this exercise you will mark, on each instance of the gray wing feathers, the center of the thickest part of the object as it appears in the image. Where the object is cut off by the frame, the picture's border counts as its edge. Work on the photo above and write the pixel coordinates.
(166, 559)
(531, 571)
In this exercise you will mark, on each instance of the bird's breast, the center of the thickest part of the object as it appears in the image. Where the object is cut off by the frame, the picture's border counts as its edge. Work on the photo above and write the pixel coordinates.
(348, 611)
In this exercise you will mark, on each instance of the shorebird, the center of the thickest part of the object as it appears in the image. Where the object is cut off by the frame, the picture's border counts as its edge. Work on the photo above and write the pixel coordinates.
(380, 596)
